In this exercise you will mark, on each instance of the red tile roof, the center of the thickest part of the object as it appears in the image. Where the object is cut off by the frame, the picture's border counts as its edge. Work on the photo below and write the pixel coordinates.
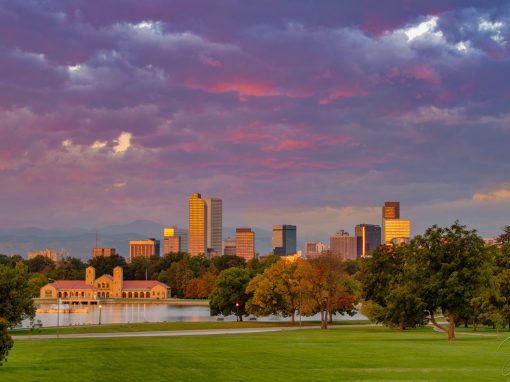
(72, 284)
(142, 284)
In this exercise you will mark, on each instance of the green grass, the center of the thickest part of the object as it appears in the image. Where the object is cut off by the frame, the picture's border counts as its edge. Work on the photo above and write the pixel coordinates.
(158, 326)
(346, 354)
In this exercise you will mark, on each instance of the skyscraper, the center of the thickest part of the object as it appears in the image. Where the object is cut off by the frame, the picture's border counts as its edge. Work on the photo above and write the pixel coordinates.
(396, 231)
(284, 239)
(369, 238)
(391, 210)
(245, 243)
(143, 248)
(214, 224)
(344, 245)
(175, 240)
(197, 226)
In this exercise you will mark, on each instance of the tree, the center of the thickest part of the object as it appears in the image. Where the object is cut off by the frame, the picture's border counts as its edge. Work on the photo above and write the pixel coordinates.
(504, 238)
(387, 290)
(15, 302)
(275, 291)
(229, 291)
(221, 263)
(70, 268)
(202, 286)
(105, 264)
(35, 282)
(448, 267)
(328, 287)
(41, 264)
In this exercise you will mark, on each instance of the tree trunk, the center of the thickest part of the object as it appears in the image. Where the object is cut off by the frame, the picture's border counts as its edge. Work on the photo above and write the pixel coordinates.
(401, 326)
(324, 317)
(436, 324)
(240, 318)
(292, 316)
(451, 327)
(330, 317)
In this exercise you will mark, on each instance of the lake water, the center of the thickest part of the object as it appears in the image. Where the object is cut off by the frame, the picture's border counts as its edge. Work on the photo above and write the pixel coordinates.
(144, 312)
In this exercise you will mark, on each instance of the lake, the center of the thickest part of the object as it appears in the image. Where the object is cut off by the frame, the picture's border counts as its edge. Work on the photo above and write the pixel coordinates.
(146, 312)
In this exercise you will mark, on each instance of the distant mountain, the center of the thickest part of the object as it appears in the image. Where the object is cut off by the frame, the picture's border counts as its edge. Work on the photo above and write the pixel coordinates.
(79, 242)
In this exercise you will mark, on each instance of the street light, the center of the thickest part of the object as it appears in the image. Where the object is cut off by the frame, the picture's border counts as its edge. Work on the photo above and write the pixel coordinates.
(100, 307)
(237, 311)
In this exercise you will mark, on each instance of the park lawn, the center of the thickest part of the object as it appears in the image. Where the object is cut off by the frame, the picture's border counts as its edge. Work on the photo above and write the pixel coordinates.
(161, 326)
(346, 354)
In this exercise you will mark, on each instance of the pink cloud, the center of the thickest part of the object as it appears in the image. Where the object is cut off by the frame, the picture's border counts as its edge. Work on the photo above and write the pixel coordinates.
(342, 93)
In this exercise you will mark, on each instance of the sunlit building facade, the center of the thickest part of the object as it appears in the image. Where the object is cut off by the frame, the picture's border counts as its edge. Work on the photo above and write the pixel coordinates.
(344, 245)
(175, 240)
(396, 231)
(229, 247)
(143, 248)
(197, 243)
(245, 243)
(103, 252)
(48, 252)
(314, 249)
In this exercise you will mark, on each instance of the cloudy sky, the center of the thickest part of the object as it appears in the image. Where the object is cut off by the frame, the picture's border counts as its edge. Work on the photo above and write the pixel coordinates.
(304, 112)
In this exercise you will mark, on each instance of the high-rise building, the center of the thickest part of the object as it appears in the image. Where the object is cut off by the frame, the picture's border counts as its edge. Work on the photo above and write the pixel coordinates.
(197, 226)
(369, 238)
(214, 224)
(48, 252)
(229, 247)
(144, 248)
(391, 210)
(245, 243)
(314, 249)
(343, 245)
(396, 231)
(175, 240)
(103, 252)
(284, 239)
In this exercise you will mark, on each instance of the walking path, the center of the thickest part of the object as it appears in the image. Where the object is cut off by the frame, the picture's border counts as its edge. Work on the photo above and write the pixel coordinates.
(176, 333)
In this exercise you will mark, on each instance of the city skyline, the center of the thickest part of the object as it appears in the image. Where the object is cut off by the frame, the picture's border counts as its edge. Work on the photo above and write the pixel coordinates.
(313, 113)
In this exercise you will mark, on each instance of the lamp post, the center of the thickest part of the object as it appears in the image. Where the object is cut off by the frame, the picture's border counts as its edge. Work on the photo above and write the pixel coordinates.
(58, 316)
(100, 307)
(237, 311)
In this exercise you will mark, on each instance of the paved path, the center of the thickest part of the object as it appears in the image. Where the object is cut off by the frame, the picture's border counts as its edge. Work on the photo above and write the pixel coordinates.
(176, 333)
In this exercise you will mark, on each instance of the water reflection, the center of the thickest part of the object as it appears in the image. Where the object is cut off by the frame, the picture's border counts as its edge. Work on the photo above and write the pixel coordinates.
(144, 312)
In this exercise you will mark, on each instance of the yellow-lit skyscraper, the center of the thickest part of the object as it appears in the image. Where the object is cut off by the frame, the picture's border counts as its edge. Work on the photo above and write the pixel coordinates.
(197, 225)
(396, 230)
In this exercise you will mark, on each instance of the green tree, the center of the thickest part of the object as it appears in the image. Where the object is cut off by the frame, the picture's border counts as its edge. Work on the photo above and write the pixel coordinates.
(35, 282)
(388, 290)
(221, 263)
(229, 291)
(41, 264)
(15, 302)
(105, 264)
(448, 267)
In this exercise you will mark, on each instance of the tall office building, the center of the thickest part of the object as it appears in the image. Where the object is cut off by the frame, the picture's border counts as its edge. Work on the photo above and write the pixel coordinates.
(284, 239)
(396, 231)
(314, 249)
(245, 243)
(391, 210)
(48, 252)
(344, 245)
(229, 247)
(175, 240)
(197, 226)
(144, 248)
(214, 225)
(369, 238)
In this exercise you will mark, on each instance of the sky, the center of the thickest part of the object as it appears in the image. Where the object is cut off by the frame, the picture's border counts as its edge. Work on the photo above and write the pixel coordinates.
(293, 112)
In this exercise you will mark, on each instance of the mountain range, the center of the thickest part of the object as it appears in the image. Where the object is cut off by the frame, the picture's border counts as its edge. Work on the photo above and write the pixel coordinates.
(79, 242)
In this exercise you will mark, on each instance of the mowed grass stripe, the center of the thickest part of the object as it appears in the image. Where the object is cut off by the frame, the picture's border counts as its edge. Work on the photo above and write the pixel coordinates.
(350, 354)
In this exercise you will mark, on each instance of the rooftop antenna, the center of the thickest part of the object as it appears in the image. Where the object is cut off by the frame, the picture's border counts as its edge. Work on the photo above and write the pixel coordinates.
(96, 237)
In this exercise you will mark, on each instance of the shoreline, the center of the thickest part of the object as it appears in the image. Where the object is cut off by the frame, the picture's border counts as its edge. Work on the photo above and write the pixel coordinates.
(177, 302)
